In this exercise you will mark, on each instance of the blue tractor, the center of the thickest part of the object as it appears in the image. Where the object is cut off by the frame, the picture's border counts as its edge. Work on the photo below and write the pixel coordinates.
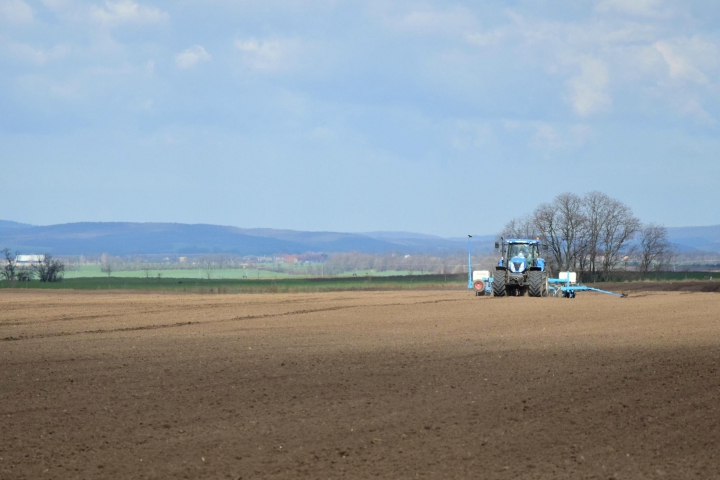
(520, 270)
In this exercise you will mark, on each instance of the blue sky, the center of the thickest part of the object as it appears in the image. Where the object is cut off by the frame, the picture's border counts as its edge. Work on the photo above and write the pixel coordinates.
(433, 117)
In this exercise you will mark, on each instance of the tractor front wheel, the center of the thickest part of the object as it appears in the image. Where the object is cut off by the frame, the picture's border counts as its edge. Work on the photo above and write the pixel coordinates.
(498, 285)
(538, 283)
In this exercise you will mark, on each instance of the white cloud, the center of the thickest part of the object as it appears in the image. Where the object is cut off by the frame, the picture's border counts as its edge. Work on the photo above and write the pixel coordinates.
(580, 134)
(55, 4)
(269, 55)
(468, 134)
(629, 33)
(109, 13)
(644, 8)
(423, 18)
(38, 86)
(15, 11)
(34, 55)
(112, 71)
(192, 56)
(550, 136)
(547, 136)
(455, 20)
(126, 11)
(685, 73)
(149, 68)
(589, 89)
(485, 39)
(689, 58)
(689, 104)
(644, 56)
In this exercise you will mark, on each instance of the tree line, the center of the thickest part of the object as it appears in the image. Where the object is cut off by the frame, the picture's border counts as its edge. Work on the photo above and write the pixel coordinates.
(594, 234)
(48, 269)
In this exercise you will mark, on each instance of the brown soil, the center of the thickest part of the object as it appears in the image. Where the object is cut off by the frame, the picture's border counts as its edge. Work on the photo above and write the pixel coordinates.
(370, 384)
(679, 286)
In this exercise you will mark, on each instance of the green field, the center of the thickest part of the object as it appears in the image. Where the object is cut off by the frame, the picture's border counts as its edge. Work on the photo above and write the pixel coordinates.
(94, 271)
(251, 285)
(265, 281)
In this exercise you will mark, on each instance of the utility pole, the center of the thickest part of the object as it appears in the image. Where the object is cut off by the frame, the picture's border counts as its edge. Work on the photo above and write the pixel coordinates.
(470, 282)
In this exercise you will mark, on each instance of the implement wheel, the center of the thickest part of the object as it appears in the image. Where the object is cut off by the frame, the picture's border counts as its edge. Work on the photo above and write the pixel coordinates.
(498, 285)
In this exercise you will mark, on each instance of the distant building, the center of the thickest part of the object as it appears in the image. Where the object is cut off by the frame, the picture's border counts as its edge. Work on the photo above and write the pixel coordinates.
(28, 260)
(290, 259)
(182, 259)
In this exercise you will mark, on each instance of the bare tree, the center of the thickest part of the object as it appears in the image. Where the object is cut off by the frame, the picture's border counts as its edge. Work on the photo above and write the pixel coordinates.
(25, 274)
(9, 270)
(655, 250)
(522, 227)
(562, 224)
(107, 266)
(49, 269)
(616, 234)
(596, 212)
(208, 268)
(590, 233)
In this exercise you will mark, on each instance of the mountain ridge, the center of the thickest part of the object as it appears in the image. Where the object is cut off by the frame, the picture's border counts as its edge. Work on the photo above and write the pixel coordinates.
(167, 238)
(131, 238)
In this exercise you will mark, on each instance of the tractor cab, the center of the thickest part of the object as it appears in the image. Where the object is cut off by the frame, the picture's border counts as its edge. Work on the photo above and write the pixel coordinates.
(522, 254)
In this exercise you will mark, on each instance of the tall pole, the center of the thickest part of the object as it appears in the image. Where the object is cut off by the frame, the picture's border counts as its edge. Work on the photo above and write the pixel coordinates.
(470, 282)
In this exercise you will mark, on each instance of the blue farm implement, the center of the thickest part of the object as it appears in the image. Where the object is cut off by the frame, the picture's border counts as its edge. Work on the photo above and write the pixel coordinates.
(566, 286)
(481, 282)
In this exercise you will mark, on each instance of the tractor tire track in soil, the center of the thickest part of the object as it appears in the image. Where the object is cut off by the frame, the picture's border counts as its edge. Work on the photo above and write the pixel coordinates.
(185, 324)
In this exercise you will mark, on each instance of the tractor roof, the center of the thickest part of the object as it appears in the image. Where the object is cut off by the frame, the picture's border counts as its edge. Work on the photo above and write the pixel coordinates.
(523, 241)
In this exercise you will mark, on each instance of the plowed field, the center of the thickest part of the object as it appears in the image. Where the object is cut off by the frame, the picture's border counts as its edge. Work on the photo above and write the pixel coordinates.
(431, 384)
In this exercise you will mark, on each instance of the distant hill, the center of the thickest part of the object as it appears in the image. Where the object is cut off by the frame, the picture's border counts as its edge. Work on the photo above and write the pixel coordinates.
(696, 238)
(5, 224)
(430, 243)
(173, 238)
(118, 238)
(402, 236)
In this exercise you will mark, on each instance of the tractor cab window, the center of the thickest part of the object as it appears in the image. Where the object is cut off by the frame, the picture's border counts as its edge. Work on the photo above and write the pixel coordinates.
(529, 252)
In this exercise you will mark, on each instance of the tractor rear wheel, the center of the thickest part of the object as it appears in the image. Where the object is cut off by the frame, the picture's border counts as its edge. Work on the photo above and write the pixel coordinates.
(498, 286)
(537, 282)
